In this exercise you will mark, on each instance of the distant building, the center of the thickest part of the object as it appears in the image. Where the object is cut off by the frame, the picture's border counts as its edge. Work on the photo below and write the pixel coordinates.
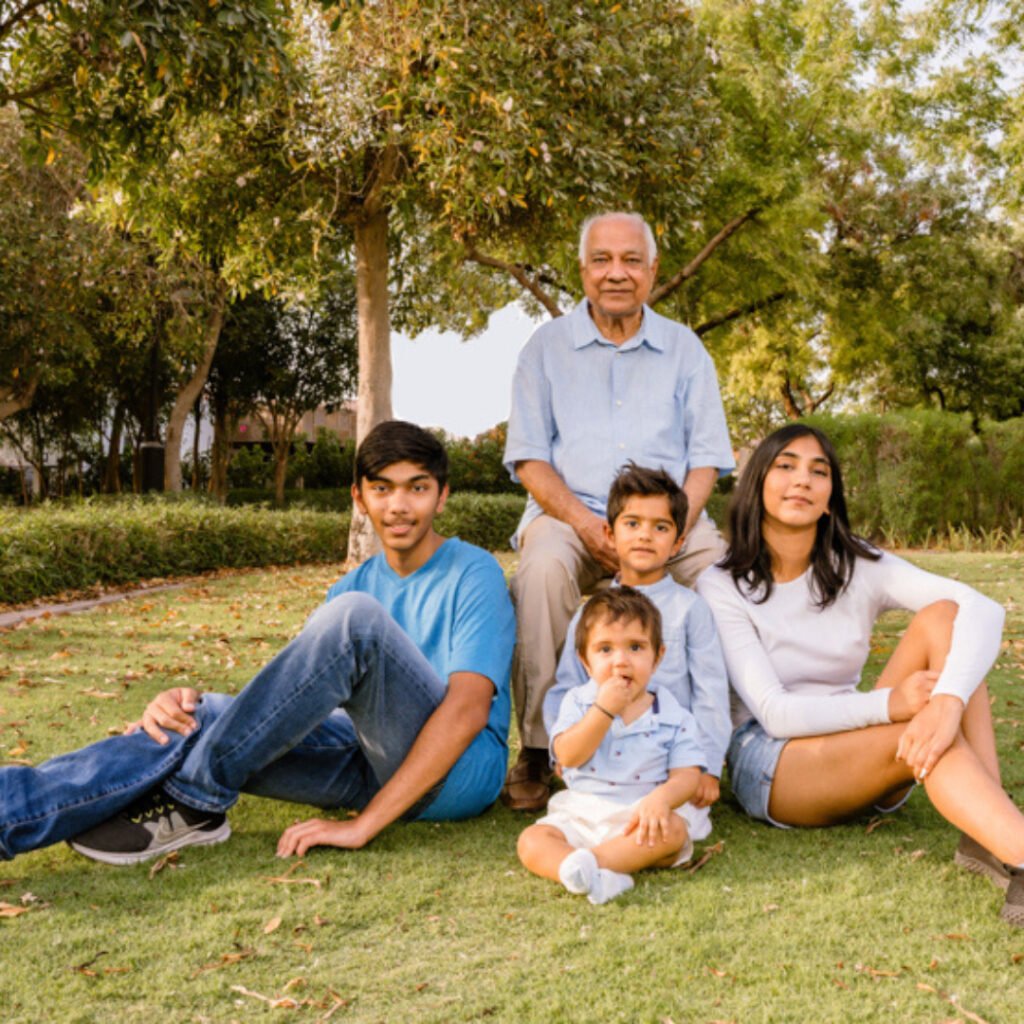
(338, 418)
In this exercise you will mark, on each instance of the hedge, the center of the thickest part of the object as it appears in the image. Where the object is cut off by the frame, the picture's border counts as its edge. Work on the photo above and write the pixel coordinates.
(917, 476)
(51, 549)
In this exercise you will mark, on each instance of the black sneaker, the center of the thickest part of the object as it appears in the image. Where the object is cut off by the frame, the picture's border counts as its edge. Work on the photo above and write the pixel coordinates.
(972, 856)
(1013, 906)
(153, 825)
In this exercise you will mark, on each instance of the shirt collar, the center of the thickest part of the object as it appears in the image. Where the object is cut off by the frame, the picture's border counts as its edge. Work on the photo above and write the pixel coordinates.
(585, 332)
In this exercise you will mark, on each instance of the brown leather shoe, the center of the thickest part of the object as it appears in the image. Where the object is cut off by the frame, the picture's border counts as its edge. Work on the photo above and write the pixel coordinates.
(528, 784)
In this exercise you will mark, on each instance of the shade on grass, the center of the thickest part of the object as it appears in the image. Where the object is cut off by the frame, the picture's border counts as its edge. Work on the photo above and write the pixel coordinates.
(439, 922)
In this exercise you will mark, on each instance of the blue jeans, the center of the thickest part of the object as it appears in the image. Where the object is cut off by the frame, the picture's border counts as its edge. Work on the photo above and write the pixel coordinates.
(283, 736)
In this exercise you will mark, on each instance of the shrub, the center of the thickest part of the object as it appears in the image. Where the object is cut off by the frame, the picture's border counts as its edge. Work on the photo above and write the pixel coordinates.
(487, 520)
(54, 548)
(51, 549)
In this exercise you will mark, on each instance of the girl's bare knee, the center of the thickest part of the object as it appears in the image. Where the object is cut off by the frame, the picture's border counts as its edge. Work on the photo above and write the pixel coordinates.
(939, 614)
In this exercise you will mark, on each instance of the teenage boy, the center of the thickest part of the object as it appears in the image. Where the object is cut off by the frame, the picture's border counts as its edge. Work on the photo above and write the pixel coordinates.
(393, 701)
(646, 525)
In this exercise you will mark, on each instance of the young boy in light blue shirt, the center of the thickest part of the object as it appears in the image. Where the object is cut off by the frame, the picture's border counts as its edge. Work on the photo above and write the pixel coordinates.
(646, 521)
(629, 755)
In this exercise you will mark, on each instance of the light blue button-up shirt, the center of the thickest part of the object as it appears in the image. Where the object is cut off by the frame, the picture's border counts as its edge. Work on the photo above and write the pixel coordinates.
(693, 669)
(586, 405)
(632, 759)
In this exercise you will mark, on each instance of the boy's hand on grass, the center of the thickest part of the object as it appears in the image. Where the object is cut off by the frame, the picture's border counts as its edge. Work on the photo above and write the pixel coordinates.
(650, 820)
(172, 709)
(303, 835)
(708, 791)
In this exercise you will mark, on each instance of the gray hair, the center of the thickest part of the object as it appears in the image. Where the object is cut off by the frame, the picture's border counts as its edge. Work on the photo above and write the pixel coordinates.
(652, 246)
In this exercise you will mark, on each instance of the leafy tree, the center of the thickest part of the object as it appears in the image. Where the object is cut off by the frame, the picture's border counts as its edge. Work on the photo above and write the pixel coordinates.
(297, 357)
(441, 132)
(113, 76)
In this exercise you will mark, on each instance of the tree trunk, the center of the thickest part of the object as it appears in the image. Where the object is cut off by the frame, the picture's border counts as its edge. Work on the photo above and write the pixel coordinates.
(13, 400)
(111, 483)
(281, 452)
(186, 398)
(374, 402)
(220, 453)
(198, 419)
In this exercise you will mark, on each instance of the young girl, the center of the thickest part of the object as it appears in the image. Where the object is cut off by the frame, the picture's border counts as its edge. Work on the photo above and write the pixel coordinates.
(795, 600)
(630, 758)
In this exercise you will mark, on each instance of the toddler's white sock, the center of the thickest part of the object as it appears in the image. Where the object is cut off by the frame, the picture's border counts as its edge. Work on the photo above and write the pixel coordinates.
(608, 884)
(578, 872)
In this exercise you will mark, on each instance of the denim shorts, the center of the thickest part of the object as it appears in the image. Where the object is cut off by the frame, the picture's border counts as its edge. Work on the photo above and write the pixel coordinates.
(752, 759)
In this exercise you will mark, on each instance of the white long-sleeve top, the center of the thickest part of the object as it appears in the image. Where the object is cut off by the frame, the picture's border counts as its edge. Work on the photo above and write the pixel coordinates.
(795, 667)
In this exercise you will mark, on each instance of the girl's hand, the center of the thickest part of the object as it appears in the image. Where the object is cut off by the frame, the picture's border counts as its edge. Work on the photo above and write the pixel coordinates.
(911, 695)
(650, 820)
(929, 734)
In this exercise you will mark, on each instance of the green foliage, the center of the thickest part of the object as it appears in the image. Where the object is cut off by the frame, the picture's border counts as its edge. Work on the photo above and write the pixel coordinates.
(113, 541)
(476, 465)
(250, 468)
(330, 463)
(487, 520)
(48, 550)
(911, 475)
(326, 499)
(114, 75)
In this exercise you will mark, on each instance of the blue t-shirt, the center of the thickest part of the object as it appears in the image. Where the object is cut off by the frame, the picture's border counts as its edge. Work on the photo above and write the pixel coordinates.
(457, 611)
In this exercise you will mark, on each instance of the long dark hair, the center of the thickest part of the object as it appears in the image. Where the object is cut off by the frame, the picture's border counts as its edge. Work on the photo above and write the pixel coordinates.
(836, 547)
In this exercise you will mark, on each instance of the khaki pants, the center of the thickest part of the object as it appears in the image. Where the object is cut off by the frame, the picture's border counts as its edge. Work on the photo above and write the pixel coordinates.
(555, 570)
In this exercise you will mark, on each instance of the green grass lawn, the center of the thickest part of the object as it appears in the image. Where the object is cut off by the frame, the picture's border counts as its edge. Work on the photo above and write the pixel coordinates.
(866, 922)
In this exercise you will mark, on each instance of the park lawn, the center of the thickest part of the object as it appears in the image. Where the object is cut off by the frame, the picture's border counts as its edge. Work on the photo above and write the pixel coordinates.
(865, 922)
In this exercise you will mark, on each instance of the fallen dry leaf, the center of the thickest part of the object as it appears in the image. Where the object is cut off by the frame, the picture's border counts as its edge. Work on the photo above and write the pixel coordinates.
(877, 823)
(278, 1004)
(98, 694)
(710, 852)
(10, 910)
(272, 925)
(226, 960)
(169, 860)
(19, 750)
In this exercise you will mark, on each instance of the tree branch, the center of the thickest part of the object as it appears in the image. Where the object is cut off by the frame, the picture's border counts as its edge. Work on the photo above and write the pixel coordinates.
(691, 268)
(18, 15)
(740, 311)
(518, 272)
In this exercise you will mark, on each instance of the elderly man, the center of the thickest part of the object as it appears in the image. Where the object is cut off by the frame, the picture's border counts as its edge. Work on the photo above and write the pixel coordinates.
(609, 382)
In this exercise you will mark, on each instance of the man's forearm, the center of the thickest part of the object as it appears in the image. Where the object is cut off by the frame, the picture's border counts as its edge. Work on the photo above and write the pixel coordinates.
(441, 742)
(698, 485)
(550, 491)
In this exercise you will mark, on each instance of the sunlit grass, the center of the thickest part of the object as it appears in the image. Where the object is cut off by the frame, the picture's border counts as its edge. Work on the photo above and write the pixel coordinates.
(439, 922)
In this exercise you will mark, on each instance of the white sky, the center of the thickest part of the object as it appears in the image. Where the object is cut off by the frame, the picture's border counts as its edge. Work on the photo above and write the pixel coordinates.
(463, 386)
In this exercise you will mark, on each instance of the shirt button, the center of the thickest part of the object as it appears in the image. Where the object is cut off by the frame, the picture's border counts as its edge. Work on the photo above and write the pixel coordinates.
(618, 401)
(621, 446)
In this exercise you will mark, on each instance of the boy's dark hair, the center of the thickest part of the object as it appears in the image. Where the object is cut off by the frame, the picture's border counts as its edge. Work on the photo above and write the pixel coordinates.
(633, 480)
(836, 547)
(617, 604)
(398, 441)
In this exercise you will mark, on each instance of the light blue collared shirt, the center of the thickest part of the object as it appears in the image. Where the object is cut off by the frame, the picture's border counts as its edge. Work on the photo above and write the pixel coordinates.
(586, 406)
(693, 669)
(632, 759)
